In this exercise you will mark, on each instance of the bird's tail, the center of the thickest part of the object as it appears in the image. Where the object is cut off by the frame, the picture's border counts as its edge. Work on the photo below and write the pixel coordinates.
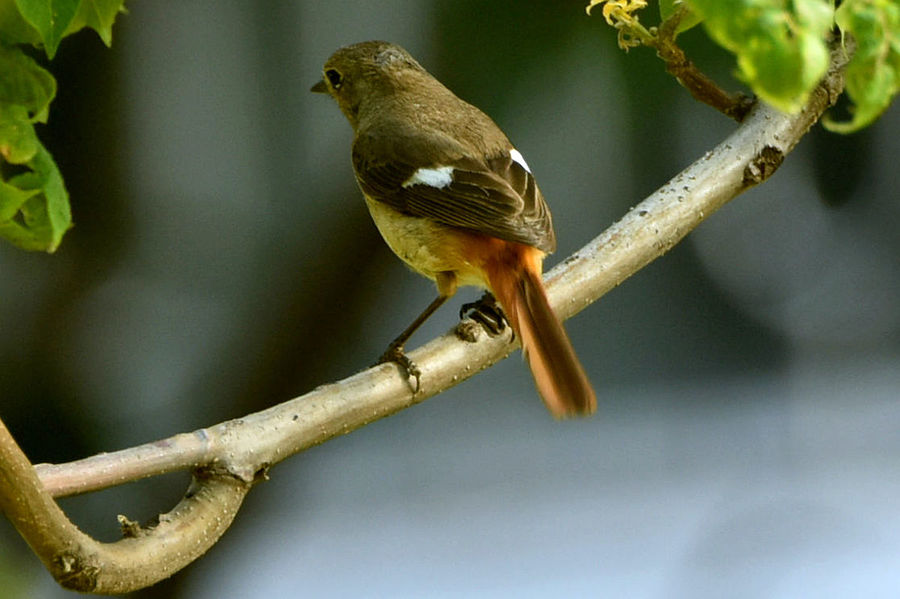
(559, 376)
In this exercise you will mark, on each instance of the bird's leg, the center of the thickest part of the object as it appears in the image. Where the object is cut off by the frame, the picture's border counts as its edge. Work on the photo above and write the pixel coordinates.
(486, 312)
(446, 283)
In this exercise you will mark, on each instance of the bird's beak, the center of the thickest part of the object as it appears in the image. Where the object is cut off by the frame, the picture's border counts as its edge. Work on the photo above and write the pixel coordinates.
(319, 87)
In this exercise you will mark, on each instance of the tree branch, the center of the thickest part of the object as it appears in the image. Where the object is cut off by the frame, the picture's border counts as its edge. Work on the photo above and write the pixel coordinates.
(229, 457)
(144, 557)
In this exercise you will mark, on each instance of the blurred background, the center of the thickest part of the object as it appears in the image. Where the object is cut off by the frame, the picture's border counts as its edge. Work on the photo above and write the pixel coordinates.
(748, 438)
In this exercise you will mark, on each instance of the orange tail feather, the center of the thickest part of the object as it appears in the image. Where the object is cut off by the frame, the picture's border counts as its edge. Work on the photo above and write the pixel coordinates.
(558, 374)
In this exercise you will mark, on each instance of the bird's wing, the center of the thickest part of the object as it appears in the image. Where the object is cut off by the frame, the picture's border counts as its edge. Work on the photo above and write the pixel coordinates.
(494, 195)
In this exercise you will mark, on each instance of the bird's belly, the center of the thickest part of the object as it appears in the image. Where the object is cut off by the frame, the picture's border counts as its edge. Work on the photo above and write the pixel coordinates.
(428, 247)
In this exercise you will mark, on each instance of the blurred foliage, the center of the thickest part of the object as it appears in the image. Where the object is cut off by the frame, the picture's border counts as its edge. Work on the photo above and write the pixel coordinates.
(34, 204)
(781, 46)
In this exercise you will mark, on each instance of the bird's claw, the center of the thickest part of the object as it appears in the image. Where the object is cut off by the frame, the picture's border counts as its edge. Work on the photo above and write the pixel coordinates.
(394, 353)
(486, 312)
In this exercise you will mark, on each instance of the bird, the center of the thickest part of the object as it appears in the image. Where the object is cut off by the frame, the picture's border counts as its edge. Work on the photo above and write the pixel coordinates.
(457, 202)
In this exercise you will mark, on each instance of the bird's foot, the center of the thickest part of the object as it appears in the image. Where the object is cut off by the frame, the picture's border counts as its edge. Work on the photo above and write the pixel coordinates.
(394, 353)
(486, 312)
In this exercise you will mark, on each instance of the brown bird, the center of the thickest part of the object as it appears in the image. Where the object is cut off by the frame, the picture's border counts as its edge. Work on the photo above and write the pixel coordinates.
(457, 202)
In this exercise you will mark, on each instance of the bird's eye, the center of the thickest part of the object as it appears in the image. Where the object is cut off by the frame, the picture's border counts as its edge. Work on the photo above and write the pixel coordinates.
(334, 77)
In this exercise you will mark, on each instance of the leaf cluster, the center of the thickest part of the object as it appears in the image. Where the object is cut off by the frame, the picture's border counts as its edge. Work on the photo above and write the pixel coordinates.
(34, 204)
(781, 46)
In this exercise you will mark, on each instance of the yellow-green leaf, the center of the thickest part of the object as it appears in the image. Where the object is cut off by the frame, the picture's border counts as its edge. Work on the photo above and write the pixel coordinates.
(873, 75)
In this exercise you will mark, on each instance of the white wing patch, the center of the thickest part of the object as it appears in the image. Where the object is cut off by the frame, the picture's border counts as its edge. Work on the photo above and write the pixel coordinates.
(519, 159)
(439, 177)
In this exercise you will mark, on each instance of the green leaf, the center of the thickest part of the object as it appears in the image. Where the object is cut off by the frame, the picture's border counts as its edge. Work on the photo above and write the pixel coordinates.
(873, 75)
(13, 28)
(30, 229)
(11, 200)
(34, 205)
(779, 44)
(18, 141)
(41, 219)
(99, 15)
(690, 19)
(25, 83)
(51, 19)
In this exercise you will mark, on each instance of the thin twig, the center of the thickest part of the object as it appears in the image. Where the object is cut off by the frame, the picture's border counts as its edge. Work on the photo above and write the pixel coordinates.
(701, 87)
(623, 16)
